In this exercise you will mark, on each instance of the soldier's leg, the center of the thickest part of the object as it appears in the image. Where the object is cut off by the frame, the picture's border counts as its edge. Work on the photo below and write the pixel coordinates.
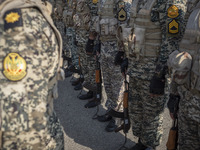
(188, 122)
(153, 108)
(113, 81)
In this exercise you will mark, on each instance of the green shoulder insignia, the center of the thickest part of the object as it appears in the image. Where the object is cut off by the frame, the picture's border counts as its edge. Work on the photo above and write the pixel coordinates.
(12, 19)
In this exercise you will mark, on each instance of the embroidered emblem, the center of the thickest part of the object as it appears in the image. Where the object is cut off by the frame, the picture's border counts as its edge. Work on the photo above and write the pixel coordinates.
(173, 27)
(14, 67)
(12, 19)
(173, 11)
(94, 1)
(122, 14)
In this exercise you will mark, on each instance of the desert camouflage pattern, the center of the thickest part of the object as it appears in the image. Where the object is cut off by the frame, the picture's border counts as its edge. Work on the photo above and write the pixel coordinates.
(28, 120)
(189, 106)
(149, 18)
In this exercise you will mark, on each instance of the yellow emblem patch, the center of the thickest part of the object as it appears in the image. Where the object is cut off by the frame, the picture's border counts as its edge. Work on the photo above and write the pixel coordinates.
(94, 1)
(12, 17)
(173, 11)
(122, 15)
(173, 27)
(14, 67)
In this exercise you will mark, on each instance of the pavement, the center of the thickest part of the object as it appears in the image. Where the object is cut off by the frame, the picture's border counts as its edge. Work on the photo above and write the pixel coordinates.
(81, 132)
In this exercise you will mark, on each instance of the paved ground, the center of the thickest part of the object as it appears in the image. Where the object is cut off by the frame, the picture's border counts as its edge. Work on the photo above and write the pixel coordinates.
(84, 133)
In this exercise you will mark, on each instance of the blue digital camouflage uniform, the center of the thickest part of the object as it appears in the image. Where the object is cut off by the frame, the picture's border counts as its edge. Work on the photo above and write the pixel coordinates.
(189, 105)
(29, 59)
(112, 76)
(156, 35)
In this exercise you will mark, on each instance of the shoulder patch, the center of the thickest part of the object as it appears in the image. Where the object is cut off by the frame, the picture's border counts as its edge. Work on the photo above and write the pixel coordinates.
(94, 1)
(172, 12)
(173, 27)
(14, 67)
(12, 19)
(122, 14)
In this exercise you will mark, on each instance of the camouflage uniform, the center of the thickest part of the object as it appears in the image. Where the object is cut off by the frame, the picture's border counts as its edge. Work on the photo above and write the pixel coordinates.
(112, 77)
(70, 31)
(151, 44)
(188, 87)
(29, 60)
(59, 6)
(89, 82)
(82, 25)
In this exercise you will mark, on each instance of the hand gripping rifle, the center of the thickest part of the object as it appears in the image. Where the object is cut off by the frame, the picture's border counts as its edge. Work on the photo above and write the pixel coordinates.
(172, 142)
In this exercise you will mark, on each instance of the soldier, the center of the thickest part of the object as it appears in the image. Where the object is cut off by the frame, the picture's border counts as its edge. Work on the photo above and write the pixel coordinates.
(184, 65)
(68, 14)
(59, 7)
(30, 51)
(112, 78)
(82, 26)
(89, 80)
(158, 27)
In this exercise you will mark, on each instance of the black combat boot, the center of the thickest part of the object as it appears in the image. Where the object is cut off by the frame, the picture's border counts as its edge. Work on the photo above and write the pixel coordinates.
(92, 103)
(139, 146)
(78, 87)
(89, 95)
(111, 126)
(76, 82)
(104, 118)
(68, 73)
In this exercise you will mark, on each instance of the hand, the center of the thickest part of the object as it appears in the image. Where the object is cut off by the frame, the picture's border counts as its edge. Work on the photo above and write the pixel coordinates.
(172, 116)
(119, 58)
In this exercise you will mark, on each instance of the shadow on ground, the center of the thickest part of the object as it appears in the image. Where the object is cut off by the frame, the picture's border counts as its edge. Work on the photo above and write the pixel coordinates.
(83, 132)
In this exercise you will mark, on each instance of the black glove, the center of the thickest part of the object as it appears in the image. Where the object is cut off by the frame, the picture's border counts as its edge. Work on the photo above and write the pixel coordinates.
(173, 103)
(157, 83)
(97, 48)
(124, 65)
(89, 46)
(119, 58)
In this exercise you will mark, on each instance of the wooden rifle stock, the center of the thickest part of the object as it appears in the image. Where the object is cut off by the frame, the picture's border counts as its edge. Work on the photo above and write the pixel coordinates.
(173, 137)
(126, 125)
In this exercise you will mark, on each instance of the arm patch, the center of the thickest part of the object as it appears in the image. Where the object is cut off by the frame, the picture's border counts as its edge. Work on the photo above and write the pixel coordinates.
(12, 19)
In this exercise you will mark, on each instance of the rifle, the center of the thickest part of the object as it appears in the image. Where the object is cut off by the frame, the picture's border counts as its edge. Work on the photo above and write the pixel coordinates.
(98, 77)
(123, 115)
(172, 142)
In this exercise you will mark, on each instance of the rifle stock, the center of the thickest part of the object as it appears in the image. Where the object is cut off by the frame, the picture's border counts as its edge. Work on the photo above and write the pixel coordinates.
(173, 137)
(172, 142)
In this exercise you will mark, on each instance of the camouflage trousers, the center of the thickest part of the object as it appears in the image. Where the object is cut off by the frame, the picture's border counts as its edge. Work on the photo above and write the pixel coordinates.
(71, 36)
(112, 76)
(62, 29)
(145, 112)
(87, 62)
(188, 120)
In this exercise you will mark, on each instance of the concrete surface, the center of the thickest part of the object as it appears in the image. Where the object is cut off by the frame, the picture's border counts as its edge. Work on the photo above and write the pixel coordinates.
(84, 133)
